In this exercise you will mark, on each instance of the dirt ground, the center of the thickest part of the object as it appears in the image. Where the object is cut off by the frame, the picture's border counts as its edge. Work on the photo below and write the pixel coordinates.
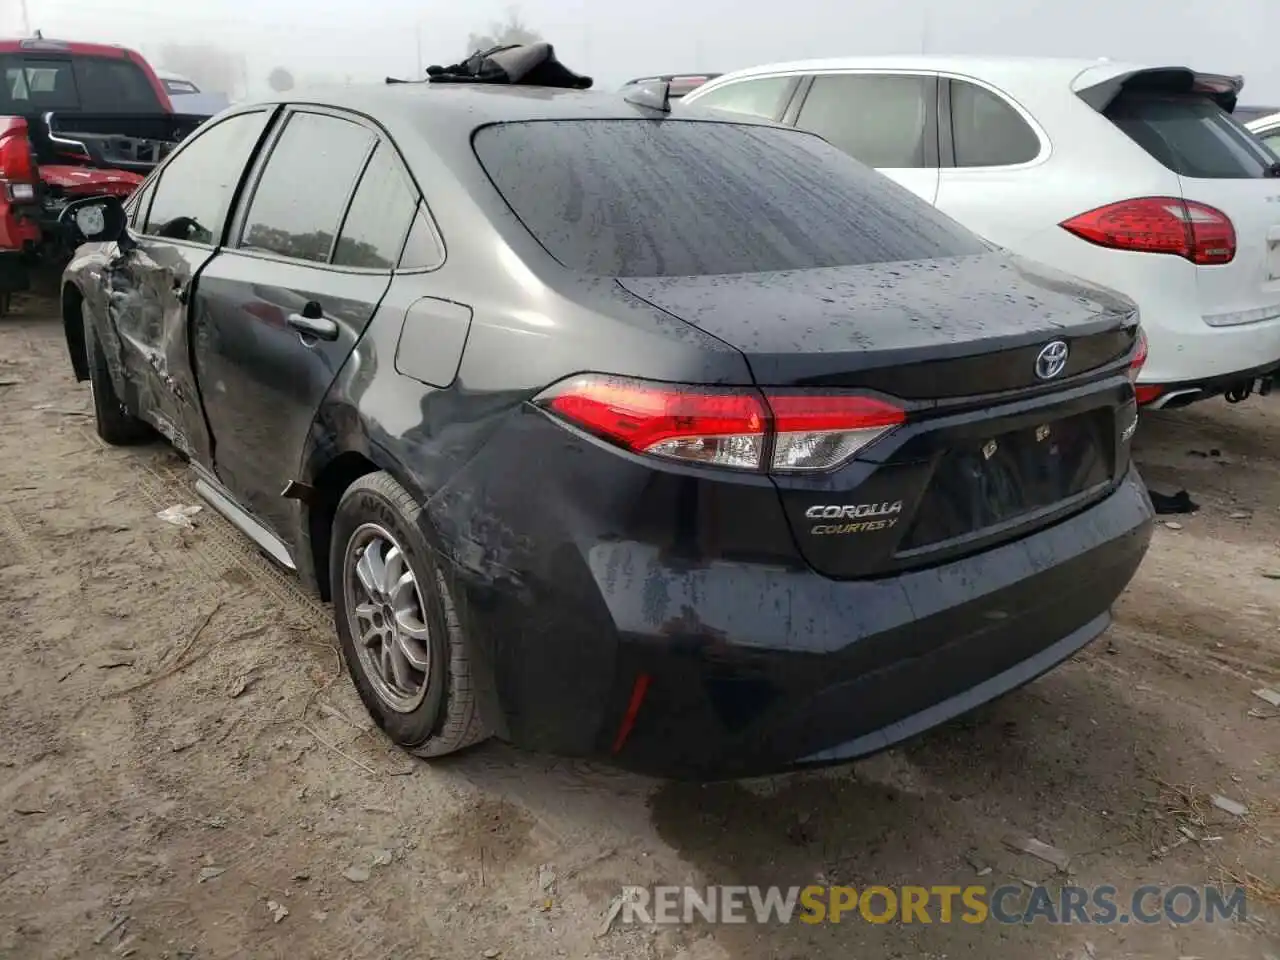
(181, 760)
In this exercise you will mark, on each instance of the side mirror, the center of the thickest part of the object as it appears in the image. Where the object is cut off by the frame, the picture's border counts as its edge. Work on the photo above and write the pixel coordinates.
(95, 220)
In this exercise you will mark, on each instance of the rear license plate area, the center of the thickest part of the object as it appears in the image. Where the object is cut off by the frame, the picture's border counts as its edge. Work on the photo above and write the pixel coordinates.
(988, 482)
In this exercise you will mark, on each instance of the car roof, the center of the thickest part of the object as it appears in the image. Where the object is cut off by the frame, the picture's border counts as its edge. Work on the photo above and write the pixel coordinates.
(1007, 71)
(38, 45)
(461, 107)
(1263, 123)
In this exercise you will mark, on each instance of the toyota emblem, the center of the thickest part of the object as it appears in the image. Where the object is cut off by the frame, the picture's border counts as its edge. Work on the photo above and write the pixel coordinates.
(1051, 360)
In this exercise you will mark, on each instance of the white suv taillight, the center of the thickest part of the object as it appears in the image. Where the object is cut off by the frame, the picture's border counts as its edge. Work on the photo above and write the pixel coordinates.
(1195, 231)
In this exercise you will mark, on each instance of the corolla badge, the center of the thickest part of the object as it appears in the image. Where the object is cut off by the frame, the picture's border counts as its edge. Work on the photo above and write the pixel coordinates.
(1051, 360)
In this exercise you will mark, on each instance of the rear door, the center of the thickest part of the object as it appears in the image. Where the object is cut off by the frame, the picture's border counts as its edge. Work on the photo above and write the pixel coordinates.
(281, 309)
(888, 121)
(989, 148)
(178, 224)
(1219, 163)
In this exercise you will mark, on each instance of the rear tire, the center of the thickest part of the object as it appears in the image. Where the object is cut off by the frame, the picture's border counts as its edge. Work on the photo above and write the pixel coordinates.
(6, 304)
(116, 425)
(396, 620)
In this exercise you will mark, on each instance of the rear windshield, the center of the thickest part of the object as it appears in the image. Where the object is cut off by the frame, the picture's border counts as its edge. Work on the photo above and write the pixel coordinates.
(633, 198)
(36, 84)
(1192, 136)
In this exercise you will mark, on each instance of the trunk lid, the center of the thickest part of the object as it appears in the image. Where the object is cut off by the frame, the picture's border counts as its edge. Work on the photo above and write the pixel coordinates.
(989, 451)
(923, 330)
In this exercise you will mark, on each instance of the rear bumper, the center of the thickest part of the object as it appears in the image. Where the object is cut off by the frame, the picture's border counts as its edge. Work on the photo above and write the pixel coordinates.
(19, 236)
(1258, 379)
(754, 668)
(15, 273)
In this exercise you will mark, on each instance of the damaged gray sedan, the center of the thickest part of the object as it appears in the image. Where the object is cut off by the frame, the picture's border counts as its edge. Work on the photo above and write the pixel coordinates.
(686, 442)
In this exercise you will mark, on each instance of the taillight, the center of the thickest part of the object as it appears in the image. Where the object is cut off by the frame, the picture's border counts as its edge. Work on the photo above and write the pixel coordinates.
(1196, 231)
(1144, 393)
(1139, 356)
(723, 427)
(820, 432)
(17, 165)
(702, 425)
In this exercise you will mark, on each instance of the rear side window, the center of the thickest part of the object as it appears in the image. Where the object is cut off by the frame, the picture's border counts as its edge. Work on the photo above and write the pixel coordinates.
(1192, 136)
(691, 198)
(1272, 140)
(88, 84)
(195, 190)
(422, 248)
(878, 120)
(373, 233)
(762, 97)
(987, 131)
(303, 191)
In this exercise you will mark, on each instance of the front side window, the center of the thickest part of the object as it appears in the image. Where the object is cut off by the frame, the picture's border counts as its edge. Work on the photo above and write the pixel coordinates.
(303, 191)
(194, 193)
(987, 131)
(1272, 140)
(880, 120)
(761, 97)
(634, 198)
(378, 219)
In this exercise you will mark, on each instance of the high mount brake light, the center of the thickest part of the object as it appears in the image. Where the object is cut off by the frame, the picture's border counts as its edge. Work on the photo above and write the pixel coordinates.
(723, 427)
(1194, 231)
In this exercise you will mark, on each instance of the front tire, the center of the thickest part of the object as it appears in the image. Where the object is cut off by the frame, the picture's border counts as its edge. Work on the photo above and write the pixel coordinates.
(116, 425)
(401, 640)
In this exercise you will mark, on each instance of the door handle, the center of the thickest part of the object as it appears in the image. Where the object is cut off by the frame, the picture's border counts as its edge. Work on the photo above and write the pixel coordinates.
(182, 291)
(319, 327)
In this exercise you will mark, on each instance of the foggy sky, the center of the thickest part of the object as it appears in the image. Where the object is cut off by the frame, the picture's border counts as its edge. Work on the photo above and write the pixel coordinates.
(614, 40)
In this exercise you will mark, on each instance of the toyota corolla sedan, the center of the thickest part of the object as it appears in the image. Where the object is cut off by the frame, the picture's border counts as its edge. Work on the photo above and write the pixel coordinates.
(687, 442)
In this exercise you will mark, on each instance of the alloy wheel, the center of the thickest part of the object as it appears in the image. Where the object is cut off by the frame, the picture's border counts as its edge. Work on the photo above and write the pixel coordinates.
(387, 618)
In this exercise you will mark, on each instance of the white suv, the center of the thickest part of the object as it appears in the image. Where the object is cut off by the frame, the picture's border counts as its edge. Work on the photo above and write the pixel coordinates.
(1133, 177)
(1267, 129)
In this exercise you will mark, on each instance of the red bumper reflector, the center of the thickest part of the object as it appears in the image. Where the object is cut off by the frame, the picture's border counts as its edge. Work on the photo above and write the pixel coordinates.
(1148, 394)
(633, 708)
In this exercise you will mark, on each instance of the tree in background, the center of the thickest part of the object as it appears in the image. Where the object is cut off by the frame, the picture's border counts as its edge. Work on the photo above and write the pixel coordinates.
(280, 80)
(212, 68)
(512, 30)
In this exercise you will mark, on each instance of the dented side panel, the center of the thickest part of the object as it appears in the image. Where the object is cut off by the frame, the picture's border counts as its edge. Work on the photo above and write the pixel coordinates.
(263, 380)
(147, 295)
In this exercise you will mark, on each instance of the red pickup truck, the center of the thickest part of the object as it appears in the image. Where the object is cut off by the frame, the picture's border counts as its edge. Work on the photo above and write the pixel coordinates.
(76, 119)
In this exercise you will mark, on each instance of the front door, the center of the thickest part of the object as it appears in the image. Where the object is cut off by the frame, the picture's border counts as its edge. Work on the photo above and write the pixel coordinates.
(176, 231)
(280, 311)
(149, 290)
